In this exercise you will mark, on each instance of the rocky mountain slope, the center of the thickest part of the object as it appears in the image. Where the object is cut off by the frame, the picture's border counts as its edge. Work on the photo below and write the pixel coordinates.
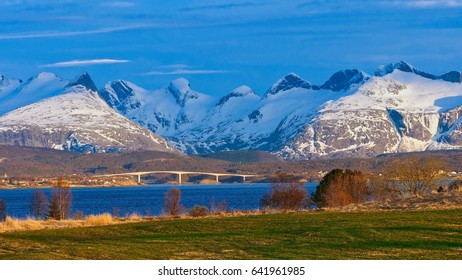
(399, 109)
(47, 111)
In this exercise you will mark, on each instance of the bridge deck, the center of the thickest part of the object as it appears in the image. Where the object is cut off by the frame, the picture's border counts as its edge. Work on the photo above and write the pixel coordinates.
(179, 173)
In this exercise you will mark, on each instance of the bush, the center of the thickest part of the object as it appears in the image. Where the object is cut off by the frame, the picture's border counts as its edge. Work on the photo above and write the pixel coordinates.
(286, 193)
(198, 211)
(2, 210)
(219, 207)
(78, 215)
(341, 187)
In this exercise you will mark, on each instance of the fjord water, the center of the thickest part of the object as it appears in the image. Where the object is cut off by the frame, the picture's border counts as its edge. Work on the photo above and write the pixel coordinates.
(145, 200)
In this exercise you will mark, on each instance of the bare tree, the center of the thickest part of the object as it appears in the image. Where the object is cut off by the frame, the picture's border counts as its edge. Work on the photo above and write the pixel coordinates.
(2, 210)
(59, 207)
(416, 176)
(286, 193)
(38, 204)
(172, 204)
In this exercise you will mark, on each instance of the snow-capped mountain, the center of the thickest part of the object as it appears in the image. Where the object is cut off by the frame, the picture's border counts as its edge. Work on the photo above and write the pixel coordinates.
(47, 111)
(165, 111)
(399, 109)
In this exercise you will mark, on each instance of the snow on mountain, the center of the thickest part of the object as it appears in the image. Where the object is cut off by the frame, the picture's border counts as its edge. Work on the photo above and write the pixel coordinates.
(398, 112)
(352, 114)
(163, 111)
(343, 80)
(72, 117)
(452, 76)
(42, 86)
(290, 81)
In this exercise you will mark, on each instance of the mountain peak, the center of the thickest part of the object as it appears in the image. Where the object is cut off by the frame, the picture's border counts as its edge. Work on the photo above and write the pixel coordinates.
(180, 85)
(46, 76)
(401, 65)
(83, 80)
(342, 80)
(237, 92)
(452, 76)
(243, 90)
(181, 90)
(289, 81)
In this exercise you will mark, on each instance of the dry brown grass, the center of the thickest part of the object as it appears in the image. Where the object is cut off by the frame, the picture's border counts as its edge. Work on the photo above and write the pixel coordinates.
(436, 201)
(134, 217)
(11, 224)
(98, 220)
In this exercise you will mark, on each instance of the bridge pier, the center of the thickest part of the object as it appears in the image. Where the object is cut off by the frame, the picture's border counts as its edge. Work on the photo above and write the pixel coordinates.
(216, 178)
(179, 178)
(243, 179)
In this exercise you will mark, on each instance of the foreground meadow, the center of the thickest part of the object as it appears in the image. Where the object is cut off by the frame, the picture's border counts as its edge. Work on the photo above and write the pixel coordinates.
(298, 235)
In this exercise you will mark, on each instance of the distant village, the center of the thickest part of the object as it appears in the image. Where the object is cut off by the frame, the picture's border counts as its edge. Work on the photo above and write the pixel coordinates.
(73, 180)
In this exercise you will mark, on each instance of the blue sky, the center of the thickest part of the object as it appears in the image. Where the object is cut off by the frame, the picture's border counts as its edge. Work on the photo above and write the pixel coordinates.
(220, 45)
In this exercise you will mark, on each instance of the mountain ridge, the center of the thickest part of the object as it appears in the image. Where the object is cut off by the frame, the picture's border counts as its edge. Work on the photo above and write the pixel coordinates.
(398, 109)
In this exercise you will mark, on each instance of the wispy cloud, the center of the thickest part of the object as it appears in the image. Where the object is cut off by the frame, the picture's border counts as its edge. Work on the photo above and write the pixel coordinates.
(186, 72)
(218, 7)
(74, 63)
(175, 66)
(119, 4)
(74, 33)
(423, 4)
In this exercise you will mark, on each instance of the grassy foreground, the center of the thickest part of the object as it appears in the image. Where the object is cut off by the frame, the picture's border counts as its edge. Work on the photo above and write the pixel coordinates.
(302, 235)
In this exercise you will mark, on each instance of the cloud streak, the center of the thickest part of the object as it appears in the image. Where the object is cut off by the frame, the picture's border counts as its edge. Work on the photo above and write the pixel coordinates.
(76, 63)
(425, 4)
(218, 7)
(74, 33)
(119, 4)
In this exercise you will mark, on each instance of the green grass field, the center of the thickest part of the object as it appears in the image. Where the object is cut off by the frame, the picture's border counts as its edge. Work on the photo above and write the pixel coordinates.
(302, 235)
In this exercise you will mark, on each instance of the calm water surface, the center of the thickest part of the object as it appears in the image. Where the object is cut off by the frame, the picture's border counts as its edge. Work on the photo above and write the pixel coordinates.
(145, 200)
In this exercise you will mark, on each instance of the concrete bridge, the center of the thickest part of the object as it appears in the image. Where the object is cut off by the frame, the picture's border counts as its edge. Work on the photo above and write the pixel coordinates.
(180, 173)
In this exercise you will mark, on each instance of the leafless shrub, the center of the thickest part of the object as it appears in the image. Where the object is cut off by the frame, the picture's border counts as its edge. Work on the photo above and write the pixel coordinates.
(172, 205)
(198, 211)
(78, 215)
(286, 193)
(220, 207)
(116, 212)
(38, 204)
